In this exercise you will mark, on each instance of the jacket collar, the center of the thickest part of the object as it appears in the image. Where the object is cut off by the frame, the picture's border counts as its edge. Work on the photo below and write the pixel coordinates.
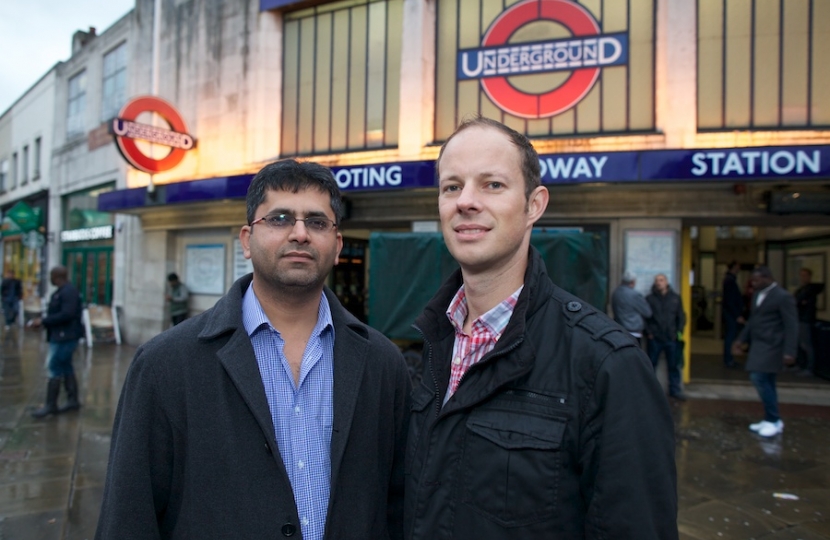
(438, 331)
(351, 344)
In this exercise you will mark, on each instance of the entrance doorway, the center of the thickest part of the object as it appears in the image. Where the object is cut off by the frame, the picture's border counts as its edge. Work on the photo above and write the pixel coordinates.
(90, 270)
(785, 249)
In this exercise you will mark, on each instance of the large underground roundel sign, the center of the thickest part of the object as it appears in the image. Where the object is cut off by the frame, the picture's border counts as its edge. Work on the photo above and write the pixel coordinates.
(127, 131)
(583, 55)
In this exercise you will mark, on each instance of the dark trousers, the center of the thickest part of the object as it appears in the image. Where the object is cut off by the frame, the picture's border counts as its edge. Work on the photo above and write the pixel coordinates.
(669, 348)
(730, 332)
(10, 309)
(805, 343)
(60, 358)
(765, 385)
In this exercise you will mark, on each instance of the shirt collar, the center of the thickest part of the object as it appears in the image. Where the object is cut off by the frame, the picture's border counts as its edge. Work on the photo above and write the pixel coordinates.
(494, 320)
(767, 289)
(254, 317)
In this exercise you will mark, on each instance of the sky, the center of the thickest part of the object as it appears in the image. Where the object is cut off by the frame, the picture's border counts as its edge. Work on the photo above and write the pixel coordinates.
(37, 34)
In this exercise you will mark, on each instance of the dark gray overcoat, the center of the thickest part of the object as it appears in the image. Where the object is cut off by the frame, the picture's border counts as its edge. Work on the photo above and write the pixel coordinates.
(771, 331)
(194, 454)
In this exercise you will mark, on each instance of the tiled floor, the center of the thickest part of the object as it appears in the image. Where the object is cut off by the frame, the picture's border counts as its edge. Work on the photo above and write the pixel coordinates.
(52, 471)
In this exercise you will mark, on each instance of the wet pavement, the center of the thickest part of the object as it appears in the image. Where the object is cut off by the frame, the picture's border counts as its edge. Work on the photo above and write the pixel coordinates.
(732, 483)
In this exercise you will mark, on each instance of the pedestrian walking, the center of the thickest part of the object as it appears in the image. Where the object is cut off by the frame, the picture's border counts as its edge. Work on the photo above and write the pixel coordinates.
(276, 413)
(664, 328)
(630, 307)
(771, 333)
(11, 293)
(537, 416)
(64, 329)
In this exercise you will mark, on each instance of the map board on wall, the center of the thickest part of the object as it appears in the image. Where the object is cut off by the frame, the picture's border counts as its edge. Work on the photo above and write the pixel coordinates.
(649, 252)
(205, 268)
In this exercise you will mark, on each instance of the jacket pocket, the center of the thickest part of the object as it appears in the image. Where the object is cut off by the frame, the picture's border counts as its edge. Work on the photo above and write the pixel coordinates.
(512, 460)
(422, 398)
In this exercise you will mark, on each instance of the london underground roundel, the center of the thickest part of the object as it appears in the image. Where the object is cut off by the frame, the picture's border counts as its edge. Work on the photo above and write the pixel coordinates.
(127, 131)
(583, 55)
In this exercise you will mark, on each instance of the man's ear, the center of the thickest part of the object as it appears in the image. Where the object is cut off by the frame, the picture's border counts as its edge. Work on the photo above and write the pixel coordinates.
(537, 203)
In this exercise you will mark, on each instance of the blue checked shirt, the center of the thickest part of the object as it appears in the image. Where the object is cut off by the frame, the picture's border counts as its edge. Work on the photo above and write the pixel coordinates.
(302, 414)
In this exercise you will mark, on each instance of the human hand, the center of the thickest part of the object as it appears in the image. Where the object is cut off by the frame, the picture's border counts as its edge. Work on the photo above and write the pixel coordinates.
(737, 348)
(741, 320)
(37, 322)
(789, 360)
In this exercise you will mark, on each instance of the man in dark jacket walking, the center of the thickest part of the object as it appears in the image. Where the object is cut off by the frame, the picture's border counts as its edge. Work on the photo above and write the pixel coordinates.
(63, 330)
(732, 306)
(771, 333)
(806, 298)
(666, 322)
(11, 292)
(537, 417)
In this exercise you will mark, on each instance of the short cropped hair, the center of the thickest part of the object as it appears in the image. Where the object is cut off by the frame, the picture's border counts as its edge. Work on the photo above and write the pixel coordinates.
(531, 170)
(293, 176)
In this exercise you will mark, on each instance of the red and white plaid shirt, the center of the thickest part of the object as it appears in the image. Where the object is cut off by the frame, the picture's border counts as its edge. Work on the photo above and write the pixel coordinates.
(468, 350)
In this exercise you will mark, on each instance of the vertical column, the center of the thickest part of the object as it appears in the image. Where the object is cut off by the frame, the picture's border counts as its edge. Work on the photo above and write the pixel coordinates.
(417, 77)
(676, 72)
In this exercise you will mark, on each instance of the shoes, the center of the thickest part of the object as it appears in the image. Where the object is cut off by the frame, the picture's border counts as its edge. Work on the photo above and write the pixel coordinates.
(679, 397)
(767, 429)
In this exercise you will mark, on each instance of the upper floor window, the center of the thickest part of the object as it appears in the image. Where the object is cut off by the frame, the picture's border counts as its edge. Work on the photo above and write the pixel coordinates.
(13, 180)
(76, 104)
(36, 164)
(762, 65)
(4, 174)
(25, 176)
(115, 82)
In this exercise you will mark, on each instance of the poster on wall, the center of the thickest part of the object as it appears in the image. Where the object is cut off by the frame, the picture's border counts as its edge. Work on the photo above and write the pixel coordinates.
(205, 268)
(241, 265)
(650, 252)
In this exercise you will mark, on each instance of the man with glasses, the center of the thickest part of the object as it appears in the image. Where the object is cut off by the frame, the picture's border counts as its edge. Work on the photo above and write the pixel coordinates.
(273, 414)
(537, 417)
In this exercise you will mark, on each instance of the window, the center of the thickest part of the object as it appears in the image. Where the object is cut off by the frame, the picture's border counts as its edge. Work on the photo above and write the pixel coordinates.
(4, 174)
(36, 168)
(341, 72)
(76, 105)
(25, 176)
(115, 82)
(13, 182)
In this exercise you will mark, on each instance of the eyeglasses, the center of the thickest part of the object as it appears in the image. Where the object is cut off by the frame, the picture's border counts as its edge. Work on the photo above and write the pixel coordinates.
(284, 222)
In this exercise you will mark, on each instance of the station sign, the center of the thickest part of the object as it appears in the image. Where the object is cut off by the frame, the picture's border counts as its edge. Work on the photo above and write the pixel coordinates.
(582, 55)
(127, 131)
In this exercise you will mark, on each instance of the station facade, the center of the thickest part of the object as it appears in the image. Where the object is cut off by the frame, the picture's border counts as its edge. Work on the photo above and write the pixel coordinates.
(688, 134)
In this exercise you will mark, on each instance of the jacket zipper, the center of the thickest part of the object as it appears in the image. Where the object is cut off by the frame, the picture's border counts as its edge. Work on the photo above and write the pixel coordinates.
(550, 398)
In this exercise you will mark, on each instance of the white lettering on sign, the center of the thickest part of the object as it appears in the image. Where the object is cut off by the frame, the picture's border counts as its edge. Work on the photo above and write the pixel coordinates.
(754, 162)
(571, 167)
(134, 130)
(541, 57)
(92, 233)
(370, 176)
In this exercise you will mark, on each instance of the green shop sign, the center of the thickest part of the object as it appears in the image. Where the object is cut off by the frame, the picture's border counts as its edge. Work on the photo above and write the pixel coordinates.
(21, 218)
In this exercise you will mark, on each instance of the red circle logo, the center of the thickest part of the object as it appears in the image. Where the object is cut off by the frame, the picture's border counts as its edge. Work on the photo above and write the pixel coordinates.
(126, 131)
(519, 103)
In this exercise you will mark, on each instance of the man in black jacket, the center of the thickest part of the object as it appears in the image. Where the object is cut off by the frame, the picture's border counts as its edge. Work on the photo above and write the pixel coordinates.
(732, 306)
(666, 322)
(806, 298)
(537, 417)
(63, 330)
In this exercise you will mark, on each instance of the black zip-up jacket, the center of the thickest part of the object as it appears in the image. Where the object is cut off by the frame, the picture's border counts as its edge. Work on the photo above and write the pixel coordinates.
(63, 316)
(562, 431)
(667, 315)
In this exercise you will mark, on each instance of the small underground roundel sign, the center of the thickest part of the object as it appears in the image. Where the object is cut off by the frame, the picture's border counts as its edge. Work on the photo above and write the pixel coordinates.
(580, 57)
(127, 131)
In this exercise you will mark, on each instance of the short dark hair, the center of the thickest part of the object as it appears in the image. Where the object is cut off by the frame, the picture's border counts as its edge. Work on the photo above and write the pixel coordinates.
(531, 169)
(293, 176)
(172, 276)
(763, 271)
